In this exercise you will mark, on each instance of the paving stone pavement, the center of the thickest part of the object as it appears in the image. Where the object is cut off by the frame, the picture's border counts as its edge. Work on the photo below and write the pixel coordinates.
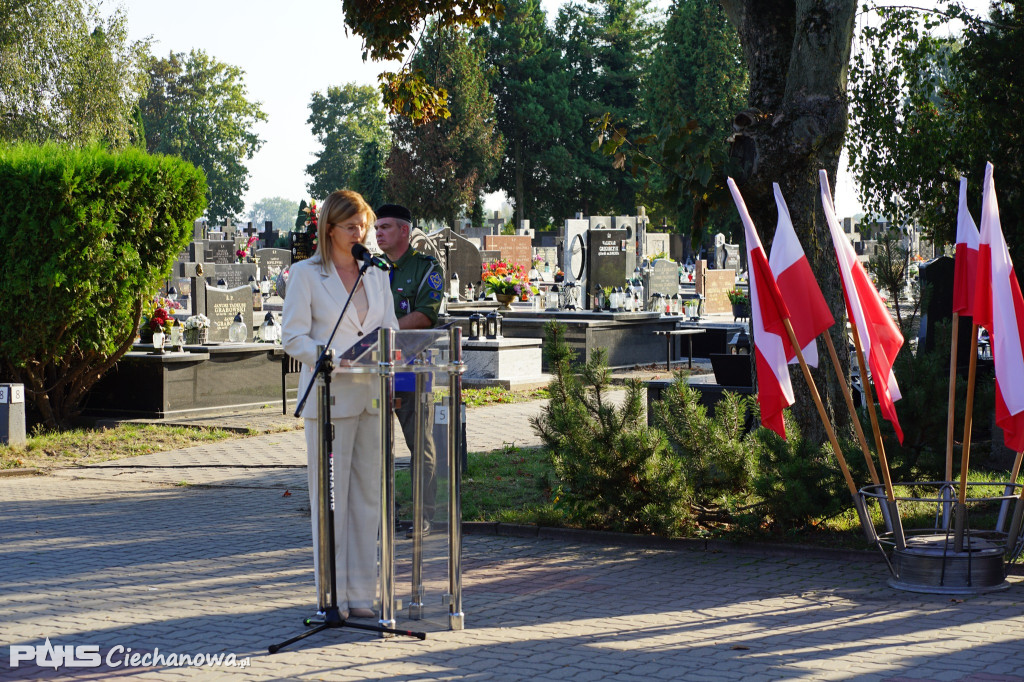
(117, 557)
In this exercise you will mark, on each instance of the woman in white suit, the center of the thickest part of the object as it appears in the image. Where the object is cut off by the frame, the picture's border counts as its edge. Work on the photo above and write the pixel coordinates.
(317, 290)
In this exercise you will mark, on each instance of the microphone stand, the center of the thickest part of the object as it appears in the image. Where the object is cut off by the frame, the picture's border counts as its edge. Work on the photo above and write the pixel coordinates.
(327, 570)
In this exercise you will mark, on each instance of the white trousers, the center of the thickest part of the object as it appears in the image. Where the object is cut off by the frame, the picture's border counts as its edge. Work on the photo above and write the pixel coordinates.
(357, 505)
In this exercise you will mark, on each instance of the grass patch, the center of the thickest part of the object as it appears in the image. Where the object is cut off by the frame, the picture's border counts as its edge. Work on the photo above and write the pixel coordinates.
(478, 397)
(87, 446)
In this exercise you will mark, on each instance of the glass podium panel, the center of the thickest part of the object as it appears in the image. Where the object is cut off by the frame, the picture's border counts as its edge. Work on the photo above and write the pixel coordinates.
(420, 544)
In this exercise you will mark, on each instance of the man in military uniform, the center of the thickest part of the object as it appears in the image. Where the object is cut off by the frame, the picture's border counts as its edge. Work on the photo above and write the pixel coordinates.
(417, 286)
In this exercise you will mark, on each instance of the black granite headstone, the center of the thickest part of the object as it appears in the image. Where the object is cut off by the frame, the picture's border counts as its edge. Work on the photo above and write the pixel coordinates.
(302, 246)
(936, 279)
(221, 307)
(222, 252)
(447, 245)
(273, 261)
(608, 258)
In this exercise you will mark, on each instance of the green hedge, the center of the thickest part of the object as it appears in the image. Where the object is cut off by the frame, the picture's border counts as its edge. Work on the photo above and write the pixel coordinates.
(86, 234)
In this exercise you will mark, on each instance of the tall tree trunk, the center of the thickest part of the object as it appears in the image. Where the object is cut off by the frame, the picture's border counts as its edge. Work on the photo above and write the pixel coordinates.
(797, 52)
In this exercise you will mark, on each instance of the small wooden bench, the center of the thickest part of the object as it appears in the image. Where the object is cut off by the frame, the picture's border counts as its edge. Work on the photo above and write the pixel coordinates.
(669, 335)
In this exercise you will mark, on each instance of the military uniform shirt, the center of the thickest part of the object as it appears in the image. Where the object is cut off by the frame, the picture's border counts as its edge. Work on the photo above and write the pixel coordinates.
(417, 285)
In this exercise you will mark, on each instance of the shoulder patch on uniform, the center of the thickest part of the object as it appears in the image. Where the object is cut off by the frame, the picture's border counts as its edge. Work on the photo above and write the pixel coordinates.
(434, 295)
(435, 281)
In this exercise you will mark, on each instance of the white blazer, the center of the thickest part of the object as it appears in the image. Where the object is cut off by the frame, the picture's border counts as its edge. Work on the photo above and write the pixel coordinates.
(311, 308)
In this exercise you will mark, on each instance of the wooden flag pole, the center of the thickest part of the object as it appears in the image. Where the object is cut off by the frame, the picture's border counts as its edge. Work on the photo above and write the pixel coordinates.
(821, 409)
(883, 463)
(853, 413)
(949, 421)
(961, 510)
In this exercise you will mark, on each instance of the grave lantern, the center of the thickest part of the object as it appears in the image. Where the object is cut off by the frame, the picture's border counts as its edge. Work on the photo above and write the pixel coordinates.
(265, 286)
(453, 287)
(172, 294)
(555, 297)
(221, 282)
(656, 303)
(237, 332)
(270, 330)
(253, 286)
(476, 322)
(494, 325)
(177, 343)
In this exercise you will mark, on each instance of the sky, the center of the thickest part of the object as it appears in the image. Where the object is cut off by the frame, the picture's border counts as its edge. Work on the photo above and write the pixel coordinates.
(288, 51)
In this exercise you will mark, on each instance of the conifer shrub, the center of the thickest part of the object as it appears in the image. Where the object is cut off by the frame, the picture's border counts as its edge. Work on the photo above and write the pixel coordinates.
(799, 480)
(86, 235)
(614, 470)
(717, 455)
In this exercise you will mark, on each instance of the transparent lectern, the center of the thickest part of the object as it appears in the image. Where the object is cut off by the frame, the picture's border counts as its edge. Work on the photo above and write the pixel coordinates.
(423, 570)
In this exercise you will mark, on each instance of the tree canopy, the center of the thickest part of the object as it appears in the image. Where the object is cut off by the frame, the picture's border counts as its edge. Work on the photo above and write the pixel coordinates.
(197, 108)
(278, 210)
(343, 120)
(929, 108)
(437, 169)
(530, 88)
(67, 74)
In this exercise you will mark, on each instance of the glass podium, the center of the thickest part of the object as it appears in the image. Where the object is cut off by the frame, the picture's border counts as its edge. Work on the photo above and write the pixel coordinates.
(420, 562)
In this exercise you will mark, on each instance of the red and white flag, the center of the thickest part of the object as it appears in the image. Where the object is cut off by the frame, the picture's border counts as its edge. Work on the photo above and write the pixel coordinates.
(767, 314)
(880, 338)
(965, 269)
(799, 288)
(998, 307)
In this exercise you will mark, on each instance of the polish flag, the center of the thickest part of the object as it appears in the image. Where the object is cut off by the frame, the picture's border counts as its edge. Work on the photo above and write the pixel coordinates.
(998, 307)
(798, 286)
(767, 314)
(965, 269)
(880, 339)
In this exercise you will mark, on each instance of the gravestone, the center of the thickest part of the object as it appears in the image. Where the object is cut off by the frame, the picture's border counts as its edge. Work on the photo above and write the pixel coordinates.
(663, 278)
(302, 246)
(495, 224)
(678, 248)
(198, 230)
(487, 257)
(608, 258)
(233, 274)
(221, 252)
(268, 237)
(196, 275)
(658, 243)
(714, 286)
(574, 250)
(732, 257)
(516, 249)
(221, 307)
(937, 278)
(628, 223)
(447, 246)
(215, 235)
(273, 261)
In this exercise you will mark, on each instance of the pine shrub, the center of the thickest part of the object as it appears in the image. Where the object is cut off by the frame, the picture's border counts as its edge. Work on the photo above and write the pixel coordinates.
(614, 470)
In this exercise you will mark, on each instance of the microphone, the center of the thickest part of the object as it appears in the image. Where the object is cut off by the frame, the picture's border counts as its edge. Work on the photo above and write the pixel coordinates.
(361, 253)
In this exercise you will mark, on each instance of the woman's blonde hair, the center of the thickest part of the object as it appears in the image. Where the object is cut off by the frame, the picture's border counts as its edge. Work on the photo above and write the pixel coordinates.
(339, 207)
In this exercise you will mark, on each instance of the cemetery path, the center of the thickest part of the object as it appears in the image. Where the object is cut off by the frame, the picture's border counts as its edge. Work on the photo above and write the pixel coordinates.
(119, 564)
(278, 460)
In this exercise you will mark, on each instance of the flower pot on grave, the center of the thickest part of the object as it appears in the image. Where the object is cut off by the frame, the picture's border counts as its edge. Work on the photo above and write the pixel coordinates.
(196, 337)
(505, 300)
(740, 311)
